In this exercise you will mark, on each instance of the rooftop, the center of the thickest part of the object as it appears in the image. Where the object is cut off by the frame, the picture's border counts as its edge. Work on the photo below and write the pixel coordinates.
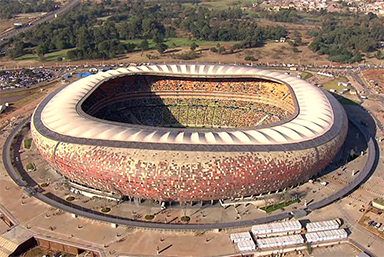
(57, 115)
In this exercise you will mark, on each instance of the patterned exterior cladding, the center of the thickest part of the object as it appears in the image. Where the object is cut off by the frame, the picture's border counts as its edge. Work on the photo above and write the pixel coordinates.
(185, 175)
(173, 164)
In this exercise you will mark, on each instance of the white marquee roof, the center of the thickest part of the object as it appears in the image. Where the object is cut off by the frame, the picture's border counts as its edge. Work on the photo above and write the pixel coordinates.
(315, 115)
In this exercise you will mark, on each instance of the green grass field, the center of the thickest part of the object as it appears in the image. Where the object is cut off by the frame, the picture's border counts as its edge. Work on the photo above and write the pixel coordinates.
(333, 84)
(274, 207)
(224, 4)
(180, 42)
(27, 143)
(306, 75)
(311, 17)
(50, 57)
(29, 166)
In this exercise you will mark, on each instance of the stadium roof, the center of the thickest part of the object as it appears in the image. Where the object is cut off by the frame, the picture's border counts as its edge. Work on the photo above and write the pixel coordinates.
(60, 115)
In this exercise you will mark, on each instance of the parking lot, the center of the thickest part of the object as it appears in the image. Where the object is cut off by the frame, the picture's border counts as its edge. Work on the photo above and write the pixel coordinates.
(373, 220)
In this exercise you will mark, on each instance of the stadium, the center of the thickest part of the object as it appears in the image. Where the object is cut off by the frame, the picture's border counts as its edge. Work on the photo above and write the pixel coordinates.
(189, 132)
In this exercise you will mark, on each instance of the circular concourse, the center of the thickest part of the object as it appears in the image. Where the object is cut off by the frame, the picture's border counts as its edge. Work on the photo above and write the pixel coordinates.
(189, 132)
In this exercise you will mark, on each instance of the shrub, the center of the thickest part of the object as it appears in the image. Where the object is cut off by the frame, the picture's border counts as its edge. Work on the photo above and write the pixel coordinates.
(70, 198)
(27, 143)
(29, 167)
(149, 217)
(105, 209)
(44, 184)
(250, 58)
(309, 248)
(214, 50)
(185, 218)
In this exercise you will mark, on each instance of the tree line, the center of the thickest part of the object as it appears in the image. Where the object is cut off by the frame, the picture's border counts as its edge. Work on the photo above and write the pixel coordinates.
(94, 38)
(348, 39)
(98, 30)
(10, 8)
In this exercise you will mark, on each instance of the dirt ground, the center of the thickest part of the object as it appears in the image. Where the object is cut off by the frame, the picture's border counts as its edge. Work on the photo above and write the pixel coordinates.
(271, 53)
(21, 18)
(291, 27)
(378, 77)
(26, 109)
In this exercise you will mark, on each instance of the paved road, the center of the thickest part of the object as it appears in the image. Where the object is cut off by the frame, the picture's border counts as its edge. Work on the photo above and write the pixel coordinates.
(370, 165)
(362, 248)
(80, 211)
(46, 18)
(7, 162)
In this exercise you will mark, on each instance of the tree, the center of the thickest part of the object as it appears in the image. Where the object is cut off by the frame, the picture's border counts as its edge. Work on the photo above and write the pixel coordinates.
(161, 48)
(235, 47)
(130, 47)
(42, 49)
(357, 57)
(144, 45)
(157, 37)
(60, 44)
(194, 46)
(221, 50)
(103, 46)
(75, 54)
(18, 49)
(84, 39)
(213, 50)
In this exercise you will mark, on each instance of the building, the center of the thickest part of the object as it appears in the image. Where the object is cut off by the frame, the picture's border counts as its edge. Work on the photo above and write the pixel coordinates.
(328, 235)
(240, 237)
(281, 241)
(322, 225)
(245, 246)
(378, 203)
(189, 132)
(276, 229)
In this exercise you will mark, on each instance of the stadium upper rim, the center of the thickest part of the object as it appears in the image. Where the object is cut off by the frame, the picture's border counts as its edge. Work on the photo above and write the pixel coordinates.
(59, 116)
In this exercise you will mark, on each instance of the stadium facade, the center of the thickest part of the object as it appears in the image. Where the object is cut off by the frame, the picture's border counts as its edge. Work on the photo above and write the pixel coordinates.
(189, 132)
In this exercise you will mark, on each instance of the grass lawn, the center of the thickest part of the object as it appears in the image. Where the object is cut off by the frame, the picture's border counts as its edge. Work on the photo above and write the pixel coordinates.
(306, 75)
(50, 57)
(27, 143)
(311, 17)
(31, 96)
(274, 207)
(180, 42)
(223, 4)
(104, 18)
(26, 96)
(29, 166)
(333, 84)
